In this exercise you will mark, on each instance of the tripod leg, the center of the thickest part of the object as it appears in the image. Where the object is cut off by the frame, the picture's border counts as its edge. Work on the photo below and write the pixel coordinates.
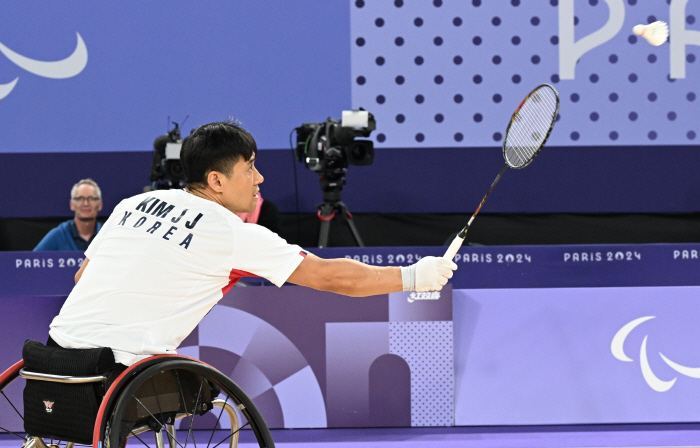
(355, 233)
(323, 233)
(325, 214)
(348, 218)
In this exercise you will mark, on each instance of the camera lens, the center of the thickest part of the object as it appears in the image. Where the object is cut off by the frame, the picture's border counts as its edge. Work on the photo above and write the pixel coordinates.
(361, 152)
(357, 152)
(173, 170)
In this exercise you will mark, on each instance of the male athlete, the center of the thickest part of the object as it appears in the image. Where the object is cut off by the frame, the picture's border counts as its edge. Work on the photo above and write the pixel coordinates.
(163, 259)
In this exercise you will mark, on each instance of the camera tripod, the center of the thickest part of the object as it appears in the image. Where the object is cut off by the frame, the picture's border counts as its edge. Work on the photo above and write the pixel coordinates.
(327, 211)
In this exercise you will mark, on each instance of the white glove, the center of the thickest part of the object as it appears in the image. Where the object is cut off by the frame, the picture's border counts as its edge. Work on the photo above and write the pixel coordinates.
(429, 274)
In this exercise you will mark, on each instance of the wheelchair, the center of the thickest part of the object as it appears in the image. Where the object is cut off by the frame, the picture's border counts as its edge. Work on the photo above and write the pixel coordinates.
(176, 398)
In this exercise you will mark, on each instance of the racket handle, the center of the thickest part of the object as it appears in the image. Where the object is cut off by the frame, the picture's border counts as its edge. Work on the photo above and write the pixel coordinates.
(454, 247)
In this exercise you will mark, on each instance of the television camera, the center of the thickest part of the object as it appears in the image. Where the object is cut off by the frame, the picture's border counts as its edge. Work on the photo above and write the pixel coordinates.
(328, 148)
(166, 169)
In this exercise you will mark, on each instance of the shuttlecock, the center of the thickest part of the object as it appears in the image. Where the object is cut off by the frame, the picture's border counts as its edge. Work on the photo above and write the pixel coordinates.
(655, 33)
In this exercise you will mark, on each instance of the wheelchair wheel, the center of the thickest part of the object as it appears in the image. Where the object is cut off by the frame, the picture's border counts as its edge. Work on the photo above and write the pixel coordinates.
(11, 408)
(181, 402)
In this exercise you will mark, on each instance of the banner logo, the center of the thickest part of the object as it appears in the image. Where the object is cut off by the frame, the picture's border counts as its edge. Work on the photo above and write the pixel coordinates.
(657, 384)
(434, 295)
(64, 68)
(49, 405)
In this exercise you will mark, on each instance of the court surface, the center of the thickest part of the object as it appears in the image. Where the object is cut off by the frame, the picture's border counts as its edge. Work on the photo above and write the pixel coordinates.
(618, 436)
(497, 437)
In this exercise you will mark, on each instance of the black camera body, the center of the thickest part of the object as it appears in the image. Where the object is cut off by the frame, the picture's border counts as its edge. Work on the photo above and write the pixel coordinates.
(328, 149)
(166, 169)
(332, 145)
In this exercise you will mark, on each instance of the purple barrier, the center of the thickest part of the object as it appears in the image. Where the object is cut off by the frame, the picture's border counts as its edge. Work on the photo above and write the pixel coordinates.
(313, 359)
(308, 359)
(542, 335)
(51, 273)
(577, 355)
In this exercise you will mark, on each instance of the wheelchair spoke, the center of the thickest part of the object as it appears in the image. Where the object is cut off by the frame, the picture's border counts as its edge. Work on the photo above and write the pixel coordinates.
(232, 434)
(159, 435)
(217, 420)
(182, 396)
(153, 386)
(134, 434)
(10, 432)
(149, 412)
(196, 402)
(13, 406)
(157, 421)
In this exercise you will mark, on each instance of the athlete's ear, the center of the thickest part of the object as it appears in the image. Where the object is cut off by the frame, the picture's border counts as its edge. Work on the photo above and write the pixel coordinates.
(214, 180)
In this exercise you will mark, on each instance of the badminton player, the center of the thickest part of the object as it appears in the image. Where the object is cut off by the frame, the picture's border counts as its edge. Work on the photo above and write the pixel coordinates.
(164, 258)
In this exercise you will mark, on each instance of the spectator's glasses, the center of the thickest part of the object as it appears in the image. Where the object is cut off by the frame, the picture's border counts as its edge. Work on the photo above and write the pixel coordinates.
(81, 199)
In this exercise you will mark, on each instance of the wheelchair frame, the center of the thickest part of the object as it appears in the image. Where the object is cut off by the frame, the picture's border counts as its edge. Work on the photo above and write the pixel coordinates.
(121, 392)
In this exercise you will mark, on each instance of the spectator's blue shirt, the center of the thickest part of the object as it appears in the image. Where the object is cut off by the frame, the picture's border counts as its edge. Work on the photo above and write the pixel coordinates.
(65, 237)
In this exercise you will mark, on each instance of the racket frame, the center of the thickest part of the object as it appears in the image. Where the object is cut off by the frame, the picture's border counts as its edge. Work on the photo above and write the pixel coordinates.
(459, 239)
(546, 137)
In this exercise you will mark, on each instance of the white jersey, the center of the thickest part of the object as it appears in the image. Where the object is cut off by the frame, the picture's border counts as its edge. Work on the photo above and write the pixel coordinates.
(161, 261)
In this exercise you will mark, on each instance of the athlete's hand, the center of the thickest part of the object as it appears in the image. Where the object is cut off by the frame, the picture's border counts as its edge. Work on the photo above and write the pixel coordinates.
(429, 274)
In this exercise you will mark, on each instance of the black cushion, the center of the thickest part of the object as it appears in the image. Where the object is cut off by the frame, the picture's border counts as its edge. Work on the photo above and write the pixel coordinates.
(63, 411)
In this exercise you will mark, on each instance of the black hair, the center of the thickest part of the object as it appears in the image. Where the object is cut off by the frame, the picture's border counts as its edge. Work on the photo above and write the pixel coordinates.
(214, 147)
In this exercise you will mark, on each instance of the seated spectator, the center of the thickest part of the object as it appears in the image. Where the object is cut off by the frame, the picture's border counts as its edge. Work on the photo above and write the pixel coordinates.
(77, 233)
(265, 214)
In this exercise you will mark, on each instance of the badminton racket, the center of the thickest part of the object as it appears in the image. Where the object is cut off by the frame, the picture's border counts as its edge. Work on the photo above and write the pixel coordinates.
(527, 132)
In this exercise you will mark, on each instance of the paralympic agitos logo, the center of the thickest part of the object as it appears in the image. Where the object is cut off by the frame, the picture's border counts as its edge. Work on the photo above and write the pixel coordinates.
(61, 69)
(657, 384)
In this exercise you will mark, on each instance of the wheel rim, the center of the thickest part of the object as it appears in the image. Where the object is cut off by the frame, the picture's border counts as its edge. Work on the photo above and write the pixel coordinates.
(233, 409)
(176, 400)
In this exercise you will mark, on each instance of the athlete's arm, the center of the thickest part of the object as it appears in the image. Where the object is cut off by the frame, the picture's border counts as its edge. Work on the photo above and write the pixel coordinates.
(347, 277)
(352, 278)
(80, 271)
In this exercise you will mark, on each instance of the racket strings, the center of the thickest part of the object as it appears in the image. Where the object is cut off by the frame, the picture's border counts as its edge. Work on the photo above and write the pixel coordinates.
(525, 139)
(530, 126)
(527, 132)
(525, 136)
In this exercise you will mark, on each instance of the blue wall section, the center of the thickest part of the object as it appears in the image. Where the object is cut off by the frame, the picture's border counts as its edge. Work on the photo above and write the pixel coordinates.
(271, 64)
(275, 64)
